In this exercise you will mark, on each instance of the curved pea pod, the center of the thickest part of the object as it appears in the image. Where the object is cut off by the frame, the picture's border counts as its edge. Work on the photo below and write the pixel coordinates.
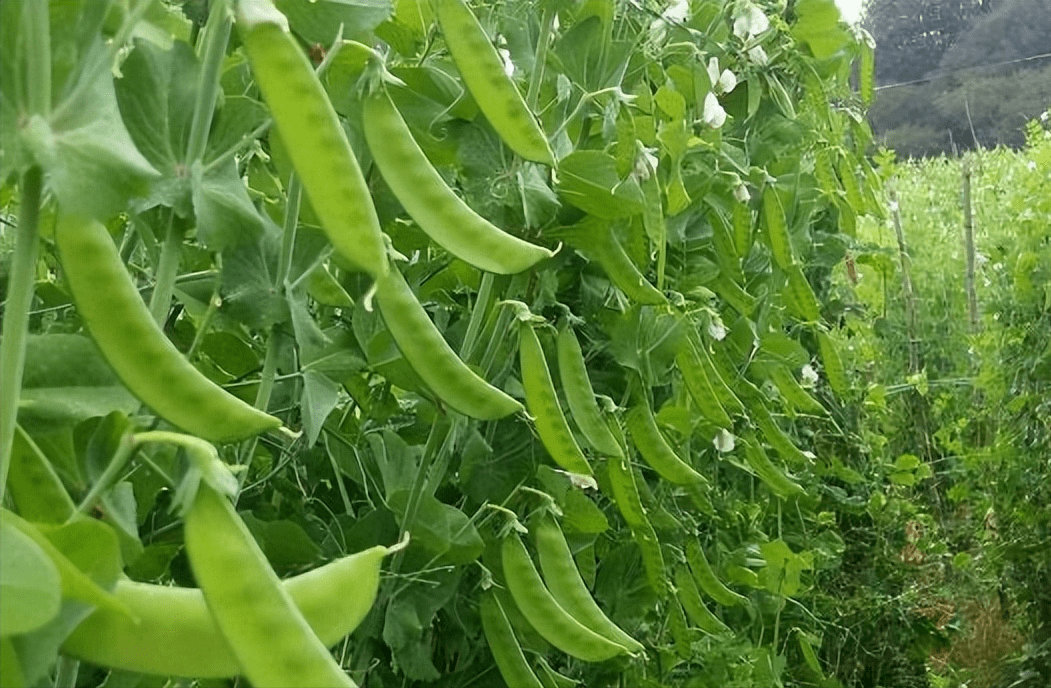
(140, 354)
(626, 492)
(313, 136)
(609, 254)
(177, 636)
(806, 303)
(774, 478)
(542, 403)
(777, 437)
(793, 392)
(432, 358)
(424, 194)
(733, 294)
(510, 660)
(705, 577)
(699, 387)
(272, 641)
(742, 227)
(35, 488)
(482, 72)
(568, 588)
(726, 396)
(777, 229)
(544, 613)
(690, 597)
(581, 396)
(642, 427)
(833, 364)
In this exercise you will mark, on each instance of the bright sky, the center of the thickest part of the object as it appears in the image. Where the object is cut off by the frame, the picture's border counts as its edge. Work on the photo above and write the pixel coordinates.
(850, 9)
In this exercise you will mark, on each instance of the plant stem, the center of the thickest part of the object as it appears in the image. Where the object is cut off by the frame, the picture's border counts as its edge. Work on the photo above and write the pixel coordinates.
(16, 314)
(167, 270)
(38, 60)
(213, 50)
(547, 24)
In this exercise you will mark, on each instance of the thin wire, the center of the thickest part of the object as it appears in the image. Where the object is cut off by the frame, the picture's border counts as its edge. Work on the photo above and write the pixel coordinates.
(960, 69)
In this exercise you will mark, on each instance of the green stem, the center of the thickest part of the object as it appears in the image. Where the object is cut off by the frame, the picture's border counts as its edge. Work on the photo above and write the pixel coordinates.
(38, 60)
(482, 305)
(16, 314)
(547, 25)
(120, 458)
(288, 238)
(167, 270)
(66, 671)
(216, 37)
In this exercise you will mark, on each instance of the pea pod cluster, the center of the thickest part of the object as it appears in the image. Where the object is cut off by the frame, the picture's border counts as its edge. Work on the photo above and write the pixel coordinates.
(137, 349)
(568, 588)
(266, 632)
(313, 136)
(424, 194)
(177, 636)
(483, 74)
(544, 613)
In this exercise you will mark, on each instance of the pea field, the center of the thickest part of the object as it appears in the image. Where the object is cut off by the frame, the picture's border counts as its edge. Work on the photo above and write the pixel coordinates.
(449, 343)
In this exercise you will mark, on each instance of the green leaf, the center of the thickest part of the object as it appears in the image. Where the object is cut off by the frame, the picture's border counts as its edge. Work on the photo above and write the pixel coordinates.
(30, 592)
(781, 575)
(818, 26)
(589, 180)
(319, 398)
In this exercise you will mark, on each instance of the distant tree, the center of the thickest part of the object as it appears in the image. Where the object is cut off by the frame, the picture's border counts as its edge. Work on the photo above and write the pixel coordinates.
(1015, 29)
(912, 36)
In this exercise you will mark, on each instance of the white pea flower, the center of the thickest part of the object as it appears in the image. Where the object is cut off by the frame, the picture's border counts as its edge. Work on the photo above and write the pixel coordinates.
(714, 115)
(749, 20)
(758, 55)
(724, 441)
(809, 375)
(505, 57)
(741, 193)
(717, 330)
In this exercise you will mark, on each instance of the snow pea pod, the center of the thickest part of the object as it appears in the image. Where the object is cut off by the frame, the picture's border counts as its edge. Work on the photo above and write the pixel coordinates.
(706, 579)
(483, 73)
(581, 396)
(655, 449)
(431, 356)
(266, 632)
(428, 199)
(313, 136)
(568, 588)
(177, 636)
(545, 614)
(502, 643)
(543, 405)
(144, 359)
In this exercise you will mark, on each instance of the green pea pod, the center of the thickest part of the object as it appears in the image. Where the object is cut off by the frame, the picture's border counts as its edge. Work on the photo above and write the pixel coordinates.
(774, 478)
(777, 229)
(806, 303)
(545, 614)
(177, 635)
(568, 588)
(581, 396)
(626, 492)
(313, 136)
(608, 253)
(424, 194)
(699, 387)
(726, 396)
(266, 632)
(706, 579)
(655, 449)
(833, 364)
(543, 405)
(505, 648)
(777, 437)
(690, 597)
(144, 359)
(483, 73)
(793, 392)
(35, 488)
(431, 356)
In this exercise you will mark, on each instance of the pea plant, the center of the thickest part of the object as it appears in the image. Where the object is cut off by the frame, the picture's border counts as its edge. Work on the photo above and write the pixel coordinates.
(326, 323)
